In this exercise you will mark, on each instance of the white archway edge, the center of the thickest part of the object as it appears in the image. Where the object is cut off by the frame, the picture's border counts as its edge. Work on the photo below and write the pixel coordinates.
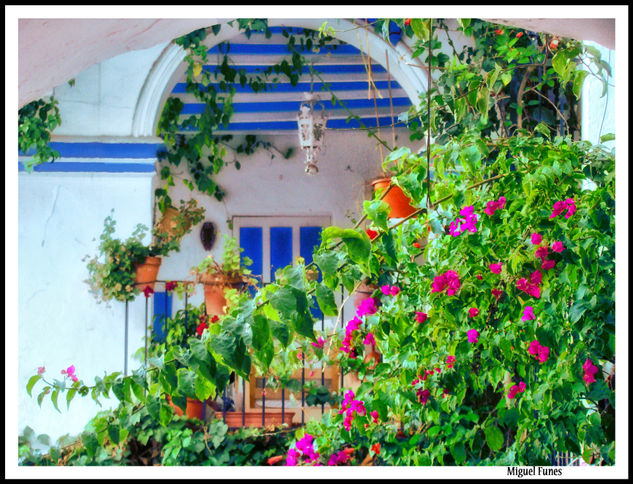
(170, 66)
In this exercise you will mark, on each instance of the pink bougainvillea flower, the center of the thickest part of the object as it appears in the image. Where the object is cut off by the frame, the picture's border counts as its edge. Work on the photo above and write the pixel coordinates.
(521, 387)
(374, 416)
(533, 348)
(494, 205)
(371, 233)
(421, 317)
(536, 238)
(558, 246)
(472, 312)
(70, 373)
(147, 291)
(449, 281)
(450, 361)
(338, 458)
(514, 389)
(560, 206)
(395, 290)
(386, 290)
(528, 314)
(496, 268)
(541, 252)
(454, 229)
(529, 288)
(292, 458)
(320, 343)
(497, 293)
(536, 277)
(369, 339)
(543, 354)
(170, 285)
(367, 306)
(40, 370)
(473, 335)
(423, 395)
(548, 264)
(590, 372)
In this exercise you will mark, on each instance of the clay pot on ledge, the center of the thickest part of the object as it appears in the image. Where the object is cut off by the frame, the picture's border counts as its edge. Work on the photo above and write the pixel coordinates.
(396, 199)
(147, 272)
(195, 408)
(214, 287)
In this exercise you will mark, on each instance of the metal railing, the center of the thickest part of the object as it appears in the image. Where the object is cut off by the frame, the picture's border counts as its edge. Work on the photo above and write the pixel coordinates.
(224, 393)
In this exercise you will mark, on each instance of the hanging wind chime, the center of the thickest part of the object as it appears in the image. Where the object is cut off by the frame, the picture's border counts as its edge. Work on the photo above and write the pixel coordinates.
(311, 129)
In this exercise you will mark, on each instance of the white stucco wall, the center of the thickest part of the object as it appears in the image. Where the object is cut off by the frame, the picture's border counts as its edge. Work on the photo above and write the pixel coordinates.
(598, 112)
(59, 322)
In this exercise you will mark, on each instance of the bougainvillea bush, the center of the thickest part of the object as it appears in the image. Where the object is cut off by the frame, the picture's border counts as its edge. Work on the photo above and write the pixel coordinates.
(494, 313)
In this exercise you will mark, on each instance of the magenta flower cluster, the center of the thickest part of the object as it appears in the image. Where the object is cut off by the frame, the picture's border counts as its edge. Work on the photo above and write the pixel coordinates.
(70, 373)
(472, 312)
(528, 314)
(590, 372)
(350, 406)
(338, 458)
(421, 317)
(514, 389)
(540, 352)
(496, 268)
(461, 225)
(494, 205)
(367, 307)
(531, 287)
(449, 281)
(473, 335)
(561, 206)
(303, 448)
(390, 290)
(320, 342)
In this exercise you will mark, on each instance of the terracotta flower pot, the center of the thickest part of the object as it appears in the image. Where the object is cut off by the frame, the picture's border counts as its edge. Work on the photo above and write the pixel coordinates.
(167, 222)
(195, 408)
(363, 292)
(147, 272)
(253, 418)
(214, 287)
(396, 199)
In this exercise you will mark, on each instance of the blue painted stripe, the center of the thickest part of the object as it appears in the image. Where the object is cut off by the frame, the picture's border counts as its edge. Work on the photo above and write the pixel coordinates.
(102, 150)
(91, 167)
(281, 106)
(280, 249)
(292, 125)
(180, 88)
(162, 308)
(272, 49)
(252, 242)
(322, 69)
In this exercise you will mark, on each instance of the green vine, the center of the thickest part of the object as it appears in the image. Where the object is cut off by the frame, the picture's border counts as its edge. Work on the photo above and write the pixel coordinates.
(36, 121)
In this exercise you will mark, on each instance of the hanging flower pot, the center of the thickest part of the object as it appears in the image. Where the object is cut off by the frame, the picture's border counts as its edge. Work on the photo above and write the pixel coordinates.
(168, 222)
(215, 286)
(147, 272)
(396, 199)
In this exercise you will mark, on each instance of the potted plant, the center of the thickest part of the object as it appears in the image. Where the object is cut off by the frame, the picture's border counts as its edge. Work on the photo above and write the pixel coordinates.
(123, 268)
(176, 222)
(223, 280)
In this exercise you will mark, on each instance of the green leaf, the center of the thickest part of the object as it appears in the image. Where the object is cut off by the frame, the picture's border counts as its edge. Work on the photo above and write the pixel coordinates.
(69, 396)
(458, 451)
(261, 331)
(494, 437)
(113, 433)
(284, 301)
(32, 381)
(559, 62)
(281, 331)
(579, 78)
(54, 396)
(203, 388)
(377, 211)
(186, 383)
(325, 298)
(433, 431)
(607, 137)
(327, 262)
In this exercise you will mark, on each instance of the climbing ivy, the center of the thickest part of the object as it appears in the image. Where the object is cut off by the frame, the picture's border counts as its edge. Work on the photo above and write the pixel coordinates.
(36, 121)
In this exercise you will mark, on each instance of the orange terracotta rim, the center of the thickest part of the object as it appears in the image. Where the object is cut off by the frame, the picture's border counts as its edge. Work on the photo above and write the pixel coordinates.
(220, 280)
(147, 271)
(396, 199)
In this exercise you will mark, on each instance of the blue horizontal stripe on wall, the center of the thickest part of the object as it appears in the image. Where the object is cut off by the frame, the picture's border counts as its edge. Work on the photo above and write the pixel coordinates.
(92, 167)
(272, 49)
(180, 88)
(270, 107)
(292, 125)
(102, 150)
(323, 69)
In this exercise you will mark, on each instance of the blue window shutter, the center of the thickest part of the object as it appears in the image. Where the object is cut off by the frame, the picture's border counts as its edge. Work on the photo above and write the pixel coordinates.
(251, 241)
(309, 239)
(162, 308)
(280, 249)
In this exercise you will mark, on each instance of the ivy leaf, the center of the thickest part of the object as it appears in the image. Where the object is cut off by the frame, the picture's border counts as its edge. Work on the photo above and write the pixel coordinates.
(494, 437)
(32, 381)
(325, 298)
(377, 211)
(458, 451)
